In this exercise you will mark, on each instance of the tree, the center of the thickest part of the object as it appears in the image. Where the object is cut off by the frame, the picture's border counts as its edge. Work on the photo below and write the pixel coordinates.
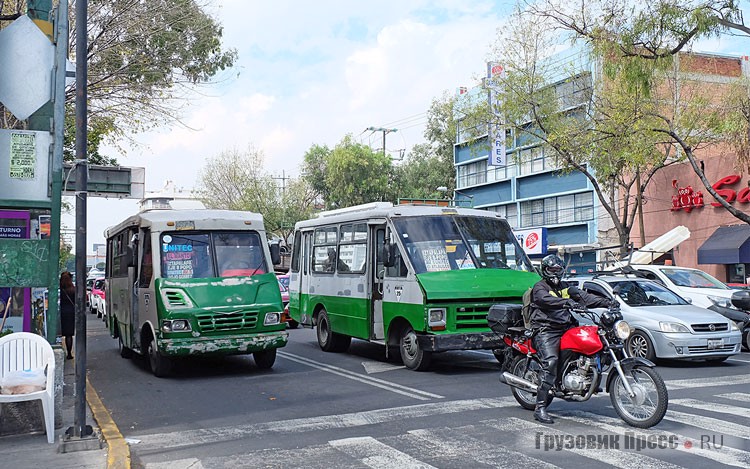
(314, 167)
(441, 133)
(422, 172)
(641, 42)
(354, 174)
(143, 59)
(236, 180)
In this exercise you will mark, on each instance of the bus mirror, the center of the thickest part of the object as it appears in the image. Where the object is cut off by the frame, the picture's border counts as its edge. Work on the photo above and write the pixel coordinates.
(275, 253)
(130, 254)
(389, 260)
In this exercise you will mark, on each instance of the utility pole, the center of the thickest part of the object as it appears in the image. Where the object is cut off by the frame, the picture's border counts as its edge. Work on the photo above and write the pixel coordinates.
(283, 180)
(385, 132)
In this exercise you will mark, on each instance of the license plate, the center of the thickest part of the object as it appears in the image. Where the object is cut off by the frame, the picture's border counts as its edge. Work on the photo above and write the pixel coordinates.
(715, 343)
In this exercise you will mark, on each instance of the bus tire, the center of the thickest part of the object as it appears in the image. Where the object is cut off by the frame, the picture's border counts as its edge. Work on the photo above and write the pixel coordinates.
(328, 340)
(124, 351)
(160, 365)
(265, 359)
(414, 357)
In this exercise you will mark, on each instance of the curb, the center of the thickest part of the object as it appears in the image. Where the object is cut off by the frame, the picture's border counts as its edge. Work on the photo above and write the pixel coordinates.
(118, 451)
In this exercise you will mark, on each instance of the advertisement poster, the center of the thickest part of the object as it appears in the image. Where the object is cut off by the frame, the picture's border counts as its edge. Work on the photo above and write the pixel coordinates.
(22, 155)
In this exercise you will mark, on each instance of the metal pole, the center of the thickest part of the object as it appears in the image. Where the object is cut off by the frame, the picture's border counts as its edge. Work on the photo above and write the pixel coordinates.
(80, 427)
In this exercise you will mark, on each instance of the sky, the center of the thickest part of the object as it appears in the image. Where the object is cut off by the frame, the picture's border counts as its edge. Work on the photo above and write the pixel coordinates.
(310, 73)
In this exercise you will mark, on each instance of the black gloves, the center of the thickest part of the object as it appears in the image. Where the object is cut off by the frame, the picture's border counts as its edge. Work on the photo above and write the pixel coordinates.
(574, 292)
(572, 304)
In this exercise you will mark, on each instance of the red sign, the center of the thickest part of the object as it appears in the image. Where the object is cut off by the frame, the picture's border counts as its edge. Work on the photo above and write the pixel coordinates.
(729, 194)
(686, 199)
(531, 240)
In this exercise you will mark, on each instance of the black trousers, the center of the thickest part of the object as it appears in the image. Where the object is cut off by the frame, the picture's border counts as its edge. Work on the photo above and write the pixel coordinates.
(547, 344)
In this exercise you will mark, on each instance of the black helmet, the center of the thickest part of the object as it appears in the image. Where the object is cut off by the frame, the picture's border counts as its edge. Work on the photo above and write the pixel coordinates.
(552, 269)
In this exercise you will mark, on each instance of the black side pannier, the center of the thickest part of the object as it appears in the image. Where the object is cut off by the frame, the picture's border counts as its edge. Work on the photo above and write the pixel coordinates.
(741, 299)
(503, 316)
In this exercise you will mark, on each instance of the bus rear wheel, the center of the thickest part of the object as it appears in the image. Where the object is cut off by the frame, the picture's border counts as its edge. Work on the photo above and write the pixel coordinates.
(328, 340)
(413, 356)
(124, 351)
(160, 365)
(265, 359)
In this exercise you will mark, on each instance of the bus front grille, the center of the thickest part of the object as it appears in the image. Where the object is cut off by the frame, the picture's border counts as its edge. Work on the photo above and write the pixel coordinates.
(471, 317)
(227, 321)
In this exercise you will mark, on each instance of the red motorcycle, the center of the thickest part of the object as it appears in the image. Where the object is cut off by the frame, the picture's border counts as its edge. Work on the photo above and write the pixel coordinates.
(636, 390)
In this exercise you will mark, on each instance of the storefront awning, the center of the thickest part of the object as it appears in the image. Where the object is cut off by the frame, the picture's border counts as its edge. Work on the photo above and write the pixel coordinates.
(728, 245)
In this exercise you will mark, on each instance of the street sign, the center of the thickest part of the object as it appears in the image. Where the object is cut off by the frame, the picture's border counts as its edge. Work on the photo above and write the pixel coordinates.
(108, 181)
(26, 62)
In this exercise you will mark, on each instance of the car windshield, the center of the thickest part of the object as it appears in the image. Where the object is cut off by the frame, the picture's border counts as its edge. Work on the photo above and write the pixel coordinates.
(438, 243)
(693, 279)
(644, 293)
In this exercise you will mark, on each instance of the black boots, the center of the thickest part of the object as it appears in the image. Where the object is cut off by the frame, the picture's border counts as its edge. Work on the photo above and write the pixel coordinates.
(543, 399)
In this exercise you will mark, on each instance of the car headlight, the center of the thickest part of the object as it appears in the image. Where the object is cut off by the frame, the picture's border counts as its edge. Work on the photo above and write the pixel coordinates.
(271, 319)
(673, 327)
(736, 326)
(436, 318)
(721, 301)
(622, 330)
(175, 325)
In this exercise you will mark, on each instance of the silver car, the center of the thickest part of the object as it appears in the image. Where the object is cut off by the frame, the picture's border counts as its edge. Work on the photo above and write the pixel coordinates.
(664, 324)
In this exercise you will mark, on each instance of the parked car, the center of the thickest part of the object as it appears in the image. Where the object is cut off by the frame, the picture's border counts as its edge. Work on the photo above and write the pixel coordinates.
(703, 290)
(284, 288)
(97, 297)
(664, 324)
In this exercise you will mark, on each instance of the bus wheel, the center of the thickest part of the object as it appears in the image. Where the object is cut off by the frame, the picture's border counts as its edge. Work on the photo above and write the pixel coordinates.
(265, 358)
(413, 356)
(160, 365)
(328, 340)
(124, 351)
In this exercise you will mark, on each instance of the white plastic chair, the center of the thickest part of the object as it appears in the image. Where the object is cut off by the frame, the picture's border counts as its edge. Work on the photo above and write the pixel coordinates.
(21, 351)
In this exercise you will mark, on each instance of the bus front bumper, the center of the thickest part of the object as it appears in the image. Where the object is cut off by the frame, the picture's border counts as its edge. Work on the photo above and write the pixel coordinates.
(445, 342)
(224, 345)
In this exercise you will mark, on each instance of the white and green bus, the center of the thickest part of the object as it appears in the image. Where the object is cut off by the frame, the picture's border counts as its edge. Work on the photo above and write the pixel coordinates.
(415, 277)
(193, 282)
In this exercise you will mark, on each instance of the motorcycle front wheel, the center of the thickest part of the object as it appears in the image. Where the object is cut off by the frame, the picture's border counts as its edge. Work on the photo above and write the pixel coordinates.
(649, 404)
(532, 374)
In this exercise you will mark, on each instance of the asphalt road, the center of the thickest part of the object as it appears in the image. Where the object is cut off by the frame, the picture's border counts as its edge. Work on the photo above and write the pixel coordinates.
(359, 409)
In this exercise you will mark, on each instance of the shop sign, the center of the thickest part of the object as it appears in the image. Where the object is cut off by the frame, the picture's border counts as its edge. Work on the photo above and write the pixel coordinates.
(687, 199)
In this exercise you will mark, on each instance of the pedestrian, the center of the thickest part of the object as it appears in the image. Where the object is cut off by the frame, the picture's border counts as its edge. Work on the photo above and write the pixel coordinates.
(67, 311)
(551, 301)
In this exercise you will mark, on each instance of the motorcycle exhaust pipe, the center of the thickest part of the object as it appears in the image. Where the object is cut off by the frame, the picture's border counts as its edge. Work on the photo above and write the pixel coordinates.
(516, 382)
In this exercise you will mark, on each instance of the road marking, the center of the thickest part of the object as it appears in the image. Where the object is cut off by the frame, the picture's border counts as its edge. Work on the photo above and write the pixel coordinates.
(377, 455)
(118, 451)
(454, 444)
(379, 383)
(612, 456)
(326, 422)
(710, 424)
(736, 396)
(727, 455)
(191, 463)
(713, 407)
(708, 382)
(379, 367)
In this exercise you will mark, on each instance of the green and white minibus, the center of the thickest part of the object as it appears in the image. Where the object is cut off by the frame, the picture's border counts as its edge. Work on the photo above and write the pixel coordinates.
(193, 282)
(418, 277)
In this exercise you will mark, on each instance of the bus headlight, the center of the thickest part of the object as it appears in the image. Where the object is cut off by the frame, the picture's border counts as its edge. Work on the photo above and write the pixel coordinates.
(436, 318)
(175, 325)
(271, 319)
(622, 330)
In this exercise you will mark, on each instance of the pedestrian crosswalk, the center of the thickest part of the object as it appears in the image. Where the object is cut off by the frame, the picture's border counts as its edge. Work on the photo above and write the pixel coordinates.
(695, 433)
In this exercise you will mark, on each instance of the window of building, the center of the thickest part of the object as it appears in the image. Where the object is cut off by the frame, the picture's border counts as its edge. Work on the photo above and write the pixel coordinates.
(509, 212)
(471, 174)
(557, 210)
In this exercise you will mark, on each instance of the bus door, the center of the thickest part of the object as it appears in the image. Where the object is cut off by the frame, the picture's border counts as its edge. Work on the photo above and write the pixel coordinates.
(144, 301)
(378, 275)
(304, 278)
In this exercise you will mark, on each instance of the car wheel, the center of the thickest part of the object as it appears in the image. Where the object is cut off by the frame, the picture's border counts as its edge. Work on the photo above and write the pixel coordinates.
(328, 340)
(265, 358)
(160, 365)
(639, 345)
(413, 356)
(124, 351)
(746, 340)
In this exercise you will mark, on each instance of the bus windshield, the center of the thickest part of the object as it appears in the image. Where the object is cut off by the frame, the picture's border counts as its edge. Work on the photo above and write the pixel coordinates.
(211, 254)
(437, 243)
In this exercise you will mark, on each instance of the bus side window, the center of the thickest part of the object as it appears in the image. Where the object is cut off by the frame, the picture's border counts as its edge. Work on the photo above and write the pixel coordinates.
(147, 262)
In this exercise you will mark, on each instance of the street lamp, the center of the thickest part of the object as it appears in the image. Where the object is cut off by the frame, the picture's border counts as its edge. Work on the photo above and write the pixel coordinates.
(385, 132)
(456, 191)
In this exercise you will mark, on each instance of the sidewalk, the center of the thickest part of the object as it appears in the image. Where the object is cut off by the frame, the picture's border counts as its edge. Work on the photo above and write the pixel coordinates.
(32, 450)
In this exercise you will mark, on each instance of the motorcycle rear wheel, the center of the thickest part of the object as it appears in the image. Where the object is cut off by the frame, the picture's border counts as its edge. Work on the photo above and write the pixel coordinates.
(648, 406)
(518, 368)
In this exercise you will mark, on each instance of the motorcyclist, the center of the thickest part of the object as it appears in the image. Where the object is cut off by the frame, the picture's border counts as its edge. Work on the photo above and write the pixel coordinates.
(551, 301)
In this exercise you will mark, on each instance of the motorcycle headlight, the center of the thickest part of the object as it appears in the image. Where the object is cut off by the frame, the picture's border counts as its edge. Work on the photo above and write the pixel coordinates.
(622, 330)
(721, 301)
(673, 327)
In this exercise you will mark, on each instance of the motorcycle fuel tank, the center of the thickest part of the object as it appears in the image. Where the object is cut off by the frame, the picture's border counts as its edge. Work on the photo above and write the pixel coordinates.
(582, 339)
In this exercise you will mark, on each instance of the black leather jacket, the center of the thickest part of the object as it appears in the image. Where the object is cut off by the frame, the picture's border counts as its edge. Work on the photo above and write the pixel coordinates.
(548, 304)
